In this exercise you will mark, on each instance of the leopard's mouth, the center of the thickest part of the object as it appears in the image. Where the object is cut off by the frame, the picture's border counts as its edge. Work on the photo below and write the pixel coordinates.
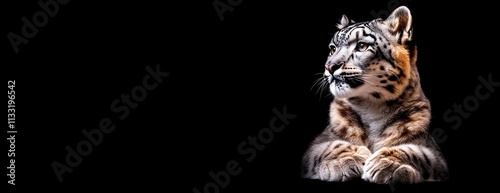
(342, 78)
(343, 81)
(353, 80)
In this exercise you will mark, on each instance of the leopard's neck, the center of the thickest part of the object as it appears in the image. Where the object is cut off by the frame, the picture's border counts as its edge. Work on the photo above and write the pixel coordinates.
(375, 115)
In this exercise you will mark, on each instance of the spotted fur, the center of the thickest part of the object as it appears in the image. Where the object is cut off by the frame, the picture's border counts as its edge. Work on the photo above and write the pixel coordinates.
(379, 117)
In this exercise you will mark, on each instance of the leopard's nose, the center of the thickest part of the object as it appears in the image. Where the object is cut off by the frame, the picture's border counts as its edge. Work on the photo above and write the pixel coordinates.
(331, 67)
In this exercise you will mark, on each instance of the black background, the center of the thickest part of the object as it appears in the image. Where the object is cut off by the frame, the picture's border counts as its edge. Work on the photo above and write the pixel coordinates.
(225, 79)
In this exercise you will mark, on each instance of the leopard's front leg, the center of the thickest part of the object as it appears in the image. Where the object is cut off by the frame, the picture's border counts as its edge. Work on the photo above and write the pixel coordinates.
(404, 163)
(335, 161)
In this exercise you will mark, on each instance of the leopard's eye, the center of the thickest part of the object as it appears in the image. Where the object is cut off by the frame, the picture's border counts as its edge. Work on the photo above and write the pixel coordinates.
(361, 46)
(332, 49)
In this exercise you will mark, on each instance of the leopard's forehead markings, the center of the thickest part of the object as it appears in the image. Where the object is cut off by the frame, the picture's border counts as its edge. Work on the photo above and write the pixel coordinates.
(345, 35)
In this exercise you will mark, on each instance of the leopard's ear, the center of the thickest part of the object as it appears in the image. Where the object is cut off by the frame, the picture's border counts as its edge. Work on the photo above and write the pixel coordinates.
(400, 24)
(344, 21)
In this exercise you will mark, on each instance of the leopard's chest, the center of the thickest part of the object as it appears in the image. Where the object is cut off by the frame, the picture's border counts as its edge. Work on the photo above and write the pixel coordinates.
(374, 123)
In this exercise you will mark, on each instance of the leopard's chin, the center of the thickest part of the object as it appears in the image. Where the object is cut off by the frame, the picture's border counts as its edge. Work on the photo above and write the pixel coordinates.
(345, 87)
(340, 89)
